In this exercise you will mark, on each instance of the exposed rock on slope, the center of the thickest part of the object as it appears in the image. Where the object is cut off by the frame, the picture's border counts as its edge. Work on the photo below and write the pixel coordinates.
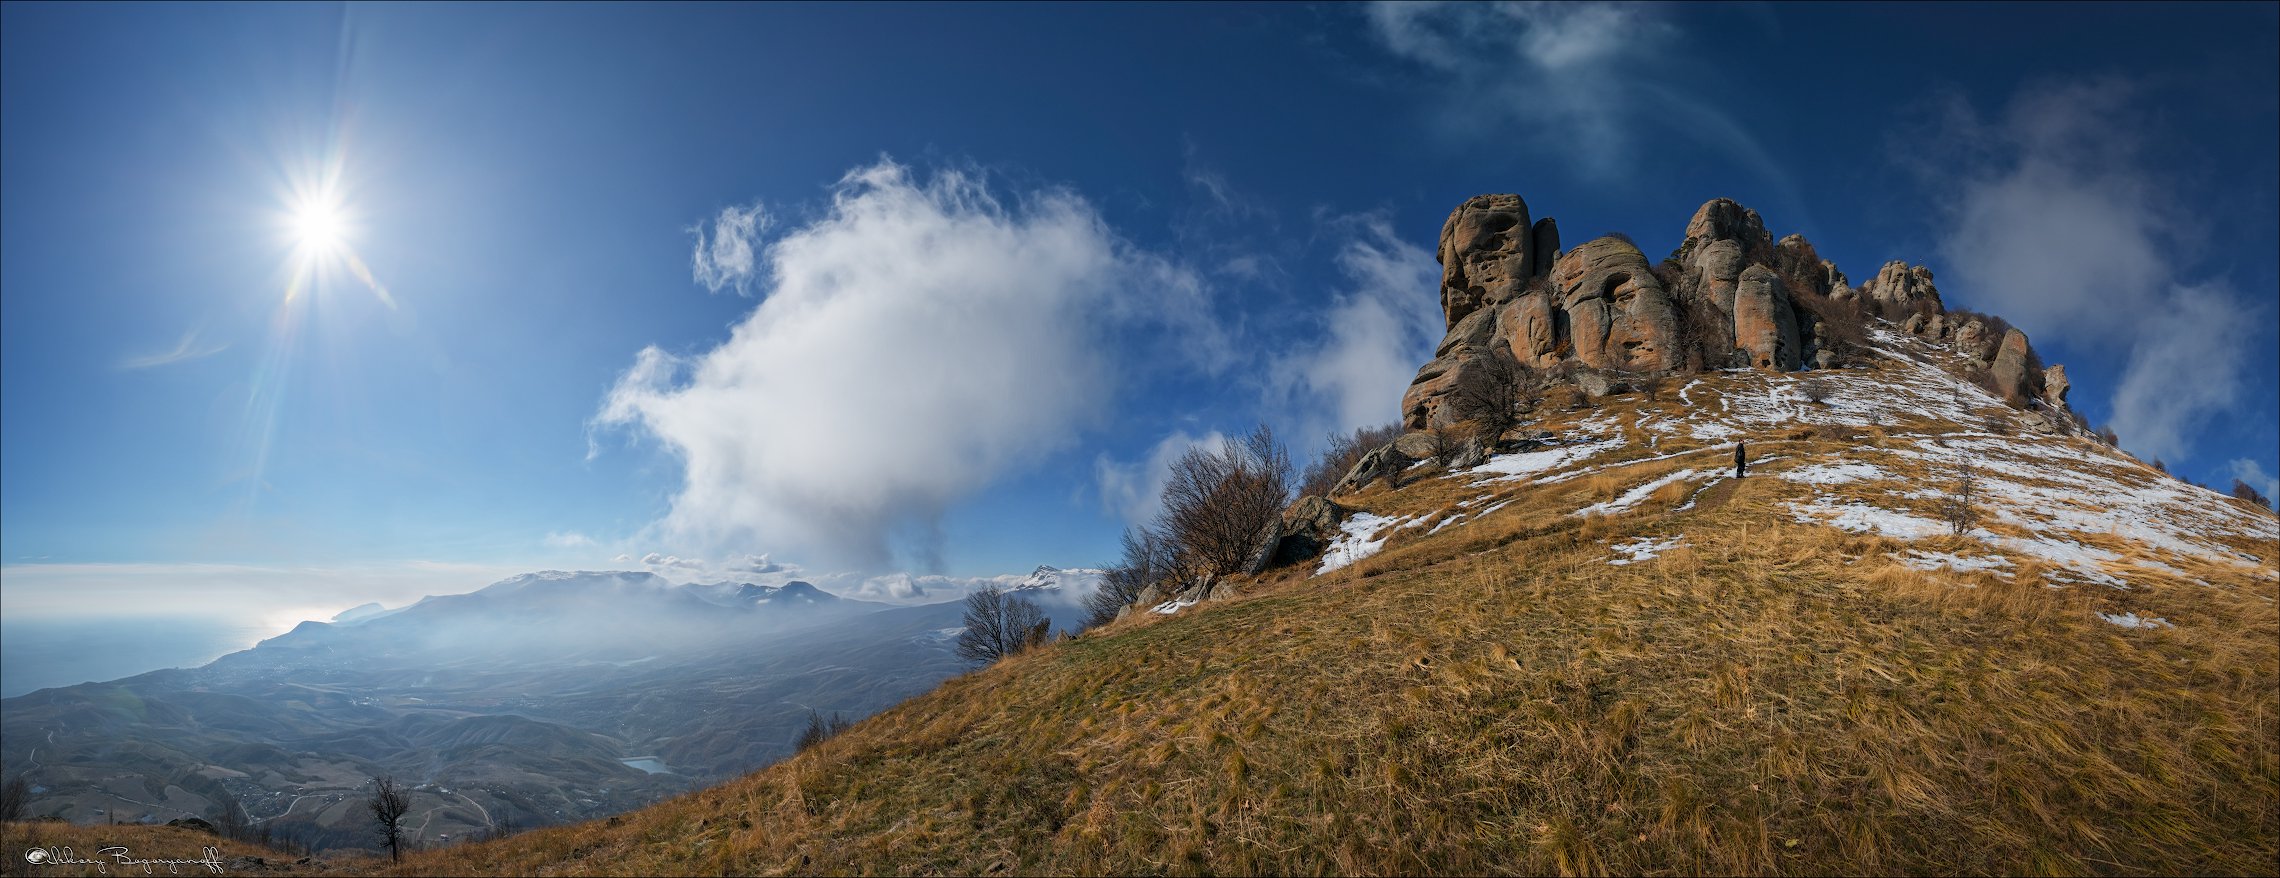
(1729, 296)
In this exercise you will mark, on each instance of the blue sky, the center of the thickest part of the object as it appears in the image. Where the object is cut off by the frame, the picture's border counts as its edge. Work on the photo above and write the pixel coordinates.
(777, 290)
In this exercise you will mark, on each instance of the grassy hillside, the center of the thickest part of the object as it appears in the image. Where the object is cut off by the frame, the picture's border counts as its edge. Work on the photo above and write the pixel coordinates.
(1795, 680)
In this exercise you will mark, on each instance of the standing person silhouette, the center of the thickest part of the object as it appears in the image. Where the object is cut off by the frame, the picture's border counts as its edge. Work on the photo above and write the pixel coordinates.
(1741, 459)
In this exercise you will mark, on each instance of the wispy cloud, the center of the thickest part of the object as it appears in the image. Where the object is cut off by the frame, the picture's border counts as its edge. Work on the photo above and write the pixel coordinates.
(1133, 490)
(2056, 220)
(1379, 327)
(1590, 83)
(727, 253)
(189, 348)
(917, 341)
(568, 540)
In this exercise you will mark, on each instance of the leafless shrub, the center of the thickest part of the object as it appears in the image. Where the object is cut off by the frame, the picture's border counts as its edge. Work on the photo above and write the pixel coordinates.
(1817, 390)
(1217, 502)
(819, 730)
(998, 624)
(1958, 508)
(388, 803)
(1147, 560)
(502, 825)
(2244, 491)
(15, 795)
(1491, 394)
(230, 821)
(2106, 435)
(1705, 335)
(1340, 455)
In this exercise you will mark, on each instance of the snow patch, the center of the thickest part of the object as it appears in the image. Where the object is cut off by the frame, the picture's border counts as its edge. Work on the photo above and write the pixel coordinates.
(1360, 540)
(1926, 560)
(1834, 473)
(2131, 620)
(1513, 467)
(1642, 549)
(1635, 496)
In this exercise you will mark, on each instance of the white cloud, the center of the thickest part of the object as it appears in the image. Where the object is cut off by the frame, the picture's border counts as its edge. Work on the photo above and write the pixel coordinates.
(2185, 367)
(914, 343)
(729, 255)
(2253, 473)
(1134, 490)
(671, 562)
(185, 350)
(2055, 222)
(1376, 332)
(568, 540)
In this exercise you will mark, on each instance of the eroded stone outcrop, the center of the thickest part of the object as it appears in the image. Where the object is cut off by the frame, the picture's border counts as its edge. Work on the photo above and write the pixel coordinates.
(1898, 287)
(1730, 296)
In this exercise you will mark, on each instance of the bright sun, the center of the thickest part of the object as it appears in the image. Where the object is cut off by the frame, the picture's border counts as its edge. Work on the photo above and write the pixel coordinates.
(317, 225)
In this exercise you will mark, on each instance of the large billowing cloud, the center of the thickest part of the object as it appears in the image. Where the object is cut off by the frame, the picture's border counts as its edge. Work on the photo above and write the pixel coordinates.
(2057, 221)
(919, 339)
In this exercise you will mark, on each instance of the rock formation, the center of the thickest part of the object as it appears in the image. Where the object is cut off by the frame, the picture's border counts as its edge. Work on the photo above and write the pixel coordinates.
(1898, 287)
(1730, 296)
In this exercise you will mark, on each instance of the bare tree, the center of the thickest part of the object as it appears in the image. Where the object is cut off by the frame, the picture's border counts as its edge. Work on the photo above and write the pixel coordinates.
(1147, 560)
(502, 825)
(1218, 501)
(2240, 490)
(998, 624)
(15, 795)
(230, 821)
(1490, 394)
(1958, 508)
(388, 803)
(1817, 390)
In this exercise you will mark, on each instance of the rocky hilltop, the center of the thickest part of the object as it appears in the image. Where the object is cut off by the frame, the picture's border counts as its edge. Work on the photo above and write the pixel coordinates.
(1731, 296)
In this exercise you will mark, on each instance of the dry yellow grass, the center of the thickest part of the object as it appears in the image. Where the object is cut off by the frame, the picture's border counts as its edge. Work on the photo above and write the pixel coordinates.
(1767, 698)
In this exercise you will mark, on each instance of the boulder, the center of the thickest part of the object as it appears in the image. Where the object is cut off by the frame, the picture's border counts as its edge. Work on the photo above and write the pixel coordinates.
(1418, 445)
(1486, 252)
(1971, 339)
(1306, 529)
(1598, 384)
(1470, 453)
(1825, 359)
(1149, 596)
(1722, 240)
(1804, 270)
(1263, 548)
(2055, 387)
(1466, 343)
(1914, 325)
(1382, 462)
(1618, 316)
(2010, 371)
(1765, 326)
(1899, 286)
(197, 823)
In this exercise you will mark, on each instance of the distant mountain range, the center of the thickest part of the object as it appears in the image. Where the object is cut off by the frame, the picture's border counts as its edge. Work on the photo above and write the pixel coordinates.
(542, 698)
